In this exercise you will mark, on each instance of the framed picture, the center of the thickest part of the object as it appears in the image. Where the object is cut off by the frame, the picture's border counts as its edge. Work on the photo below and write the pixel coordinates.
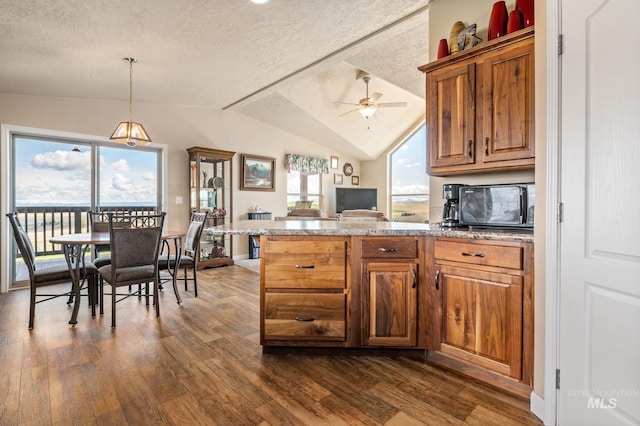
(334, 162)
(355, 180)
(257, 173)
(337, 178)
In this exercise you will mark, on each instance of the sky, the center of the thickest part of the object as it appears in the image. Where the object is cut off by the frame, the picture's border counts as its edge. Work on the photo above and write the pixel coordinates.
(409, 169)
(49, 173)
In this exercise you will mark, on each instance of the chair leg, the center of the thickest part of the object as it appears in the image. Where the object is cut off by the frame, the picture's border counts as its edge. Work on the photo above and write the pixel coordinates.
(101, 294)
(195, 282)
(113, 306)
(93, 298)
(156, 293)
(32, 307)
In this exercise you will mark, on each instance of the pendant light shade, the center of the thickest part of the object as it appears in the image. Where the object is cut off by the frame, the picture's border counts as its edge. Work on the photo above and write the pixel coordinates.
(130, 132)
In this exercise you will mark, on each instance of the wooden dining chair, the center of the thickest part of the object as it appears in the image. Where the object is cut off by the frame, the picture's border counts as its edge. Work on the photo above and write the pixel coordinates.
(189, 259)
(135, 246)
(47, 276)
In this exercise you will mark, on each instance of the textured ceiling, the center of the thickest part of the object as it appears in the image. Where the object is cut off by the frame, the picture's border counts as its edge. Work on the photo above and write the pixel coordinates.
(283, 63)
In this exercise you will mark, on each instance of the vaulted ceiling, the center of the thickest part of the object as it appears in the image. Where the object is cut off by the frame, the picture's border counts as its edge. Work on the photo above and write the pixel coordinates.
(284, 63)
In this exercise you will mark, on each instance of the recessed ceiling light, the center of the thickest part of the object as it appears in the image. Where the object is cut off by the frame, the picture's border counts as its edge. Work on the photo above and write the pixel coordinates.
(260, 1)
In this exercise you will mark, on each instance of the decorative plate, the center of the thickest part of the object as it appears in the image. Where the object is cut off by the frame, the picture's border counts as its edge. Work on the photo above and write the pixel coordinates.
(347, 169)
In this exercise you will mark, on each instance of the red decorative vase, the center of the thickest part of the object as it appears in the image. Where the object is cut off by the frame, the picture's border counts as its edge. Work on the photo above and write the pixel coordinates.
(498, 20)
(515, 21)
(443, 48)
(526, 8)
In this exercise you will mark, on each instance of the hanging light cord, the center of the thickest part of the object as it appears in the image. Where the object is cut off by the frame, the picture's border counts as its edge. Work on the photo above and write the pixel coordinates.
(131, 61)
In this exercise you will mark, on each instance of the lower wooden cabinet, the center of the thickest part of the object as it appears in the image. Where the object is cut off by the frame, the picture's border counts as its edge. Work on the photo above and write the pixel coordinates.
(485, 310)
(305, 291)
(467, 302)
(389, 317)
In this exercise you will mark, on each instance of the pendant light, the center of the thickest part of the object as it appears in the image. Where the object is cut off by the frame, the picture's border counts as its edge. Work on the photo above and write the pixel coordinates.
(130, 132)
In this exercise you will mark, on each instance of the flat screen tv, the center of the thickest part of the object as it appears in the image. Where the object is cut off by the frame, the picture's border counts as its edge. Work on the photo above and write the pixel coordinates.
(356, 198)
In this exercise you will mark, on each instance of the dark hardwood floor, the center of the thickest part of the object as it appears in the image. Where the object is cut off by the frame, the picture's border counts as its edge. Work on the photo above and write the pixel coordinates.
(201, 363)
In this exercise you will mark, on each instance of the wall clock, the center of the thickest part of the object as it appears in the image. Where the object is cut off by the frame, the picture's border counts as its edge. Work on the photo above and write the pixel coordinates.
(347, 169)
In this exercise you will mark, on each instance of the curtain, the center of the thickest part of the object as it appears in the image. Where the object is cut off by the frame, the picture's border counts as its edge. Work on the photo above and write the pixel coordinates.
(304, 163)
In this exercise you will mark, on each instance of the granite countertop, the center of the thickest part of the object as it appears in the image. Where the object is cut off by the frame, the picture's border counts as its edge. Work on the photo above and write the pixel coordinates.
(338, 228)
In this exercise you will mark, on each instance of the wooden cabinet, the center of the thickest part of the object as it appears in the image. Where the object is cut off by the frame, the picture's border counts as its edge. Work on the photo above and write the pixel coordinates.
(305, 291)
(211, 191)
(485, 310)
(389, 291)
(480, 107)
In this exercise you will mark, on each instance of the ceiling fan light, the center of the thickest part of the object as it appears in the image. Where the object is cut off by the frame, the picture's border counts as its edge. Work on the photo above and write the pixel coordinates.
(367, 110)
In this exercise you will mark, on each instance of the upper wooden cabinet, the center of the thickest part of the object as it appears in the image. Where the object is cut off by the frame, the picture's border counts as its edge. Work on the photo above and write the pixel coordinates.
(480, 107)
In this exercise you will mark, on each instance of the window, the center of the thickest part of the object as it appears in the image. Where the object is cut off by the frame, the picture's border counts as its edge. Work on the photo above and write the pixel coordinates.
(54, 181)
(409, 180)
(303, 186)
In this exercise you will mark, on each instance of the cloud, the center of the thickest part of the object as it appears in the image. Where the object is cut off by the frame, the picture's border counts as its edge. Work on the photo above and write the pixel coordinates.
(62, 160)
(412, 165)
(148, 176)
(121, 183)
(121, 166)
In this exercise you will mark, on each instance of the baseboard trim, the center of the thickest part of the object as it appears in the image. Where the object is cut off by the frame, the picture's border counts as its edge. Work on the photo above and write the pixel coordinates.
(536, 405)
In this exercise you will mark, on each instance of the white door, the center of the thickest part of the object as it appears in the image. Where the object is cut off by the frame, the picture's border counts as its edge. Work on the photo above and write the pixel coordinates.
(599, 317)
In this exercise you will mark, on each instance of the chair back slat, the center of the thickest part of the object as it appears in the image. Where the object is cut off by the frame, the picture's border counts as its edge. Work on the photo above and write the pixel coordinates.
(192, 240)
(135, 240)
(24, 242)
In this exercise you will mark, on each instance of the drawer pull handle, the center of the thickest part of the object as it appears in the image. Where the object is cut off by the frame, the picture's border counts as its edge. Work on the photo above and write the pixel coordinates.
(486, 147)
(473, 254)
(438, 279)
(387, 250)
(470, 152)
(305, 266)
(415, 283)
(305, 319)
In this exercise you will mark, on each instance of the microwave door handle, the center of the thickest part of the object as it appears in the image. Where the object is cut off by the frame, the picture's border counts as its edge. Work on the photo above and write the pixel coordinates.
(523, 206)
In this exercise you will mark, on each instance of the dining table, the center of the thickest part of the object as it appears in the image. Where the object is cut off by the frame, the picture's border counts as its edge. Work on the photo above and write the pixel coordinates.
(74, 249)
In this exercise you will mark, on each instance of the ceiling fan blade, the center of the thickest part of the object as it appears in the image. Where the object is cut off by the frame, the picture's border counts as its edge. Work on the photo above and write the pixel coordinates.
(345, 103)
(375, 96)
(345, 113)
(392, 104)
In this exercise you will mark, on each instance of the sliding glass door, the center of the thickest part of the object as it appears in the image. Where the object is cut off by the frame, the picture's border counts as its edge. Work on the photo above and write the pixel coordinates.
(55, 181)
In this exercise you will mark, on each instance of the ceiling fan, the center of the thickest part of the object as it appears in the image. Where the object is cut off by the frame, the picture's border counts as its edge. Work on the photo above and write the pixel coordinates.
(369, 105)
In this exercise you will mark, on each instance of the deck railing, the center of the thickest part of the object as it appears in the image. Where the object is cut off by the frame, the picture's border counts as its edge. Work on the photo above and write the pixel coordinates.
(42, 223)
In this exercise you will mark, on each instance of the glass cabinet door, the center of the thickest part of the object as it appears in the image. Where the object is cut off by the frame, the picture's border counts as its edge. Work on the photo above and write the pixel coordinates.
(211, 192)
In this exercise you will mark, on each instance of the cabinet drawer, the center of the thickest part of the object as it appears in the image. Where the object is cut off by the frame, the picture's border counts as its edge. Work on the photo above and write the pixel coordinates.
(501, 256)
(305, 316)
(390, 248)
(305, 264)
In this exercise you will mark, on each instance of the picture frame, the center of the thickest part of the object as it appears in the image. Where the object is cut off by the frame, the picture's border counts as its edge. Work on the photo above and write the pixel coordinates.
(334, 162)
(337, 179)
(467, 38)
(355, 180)
(257, 173)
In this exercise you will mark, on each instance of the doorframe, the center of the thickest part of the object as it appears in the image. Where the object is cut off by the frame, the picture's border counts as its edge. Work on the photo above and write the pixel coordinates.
(553, 188)
(6, 181)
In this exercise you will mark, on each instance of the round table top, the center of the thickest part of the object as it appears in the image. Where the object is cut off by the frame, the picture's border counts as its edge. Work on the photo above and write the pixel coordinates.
(100, 237)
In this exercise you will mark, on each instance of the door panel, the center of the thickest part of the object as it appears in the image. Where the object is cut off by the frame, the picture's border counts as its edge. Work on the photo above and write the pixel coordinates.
(599, 342)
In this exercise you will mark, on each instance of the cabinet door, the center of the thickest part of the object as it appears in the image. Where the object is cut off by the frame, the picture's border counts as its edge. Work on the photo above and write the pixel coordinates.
(451, 116)
(390, 304)
(482, 318)
(506, 104)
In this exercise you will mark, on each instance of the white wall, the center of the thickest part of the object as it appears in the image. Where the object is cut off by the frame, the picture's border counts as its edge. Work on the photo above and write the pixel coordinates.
(179, 128)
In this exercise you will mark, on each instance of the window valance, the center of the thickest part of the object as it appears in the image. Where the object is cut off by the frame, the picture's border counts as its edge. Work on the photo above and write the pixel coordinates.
(307, 164)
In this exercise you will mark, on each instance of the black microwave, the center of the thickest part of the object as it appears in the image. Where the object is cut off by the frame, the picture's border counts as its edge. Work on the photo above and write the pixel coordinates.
(509, 206)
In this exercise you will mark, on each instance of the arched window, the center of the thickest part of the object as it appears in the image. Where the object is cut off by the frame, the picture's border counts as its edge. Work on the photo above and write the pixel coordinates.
(409, 179)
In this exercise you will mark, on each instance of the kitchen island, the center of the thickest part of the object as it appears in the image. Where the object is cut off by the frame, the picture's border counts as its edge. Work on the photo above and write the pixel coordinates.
(460, 298)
